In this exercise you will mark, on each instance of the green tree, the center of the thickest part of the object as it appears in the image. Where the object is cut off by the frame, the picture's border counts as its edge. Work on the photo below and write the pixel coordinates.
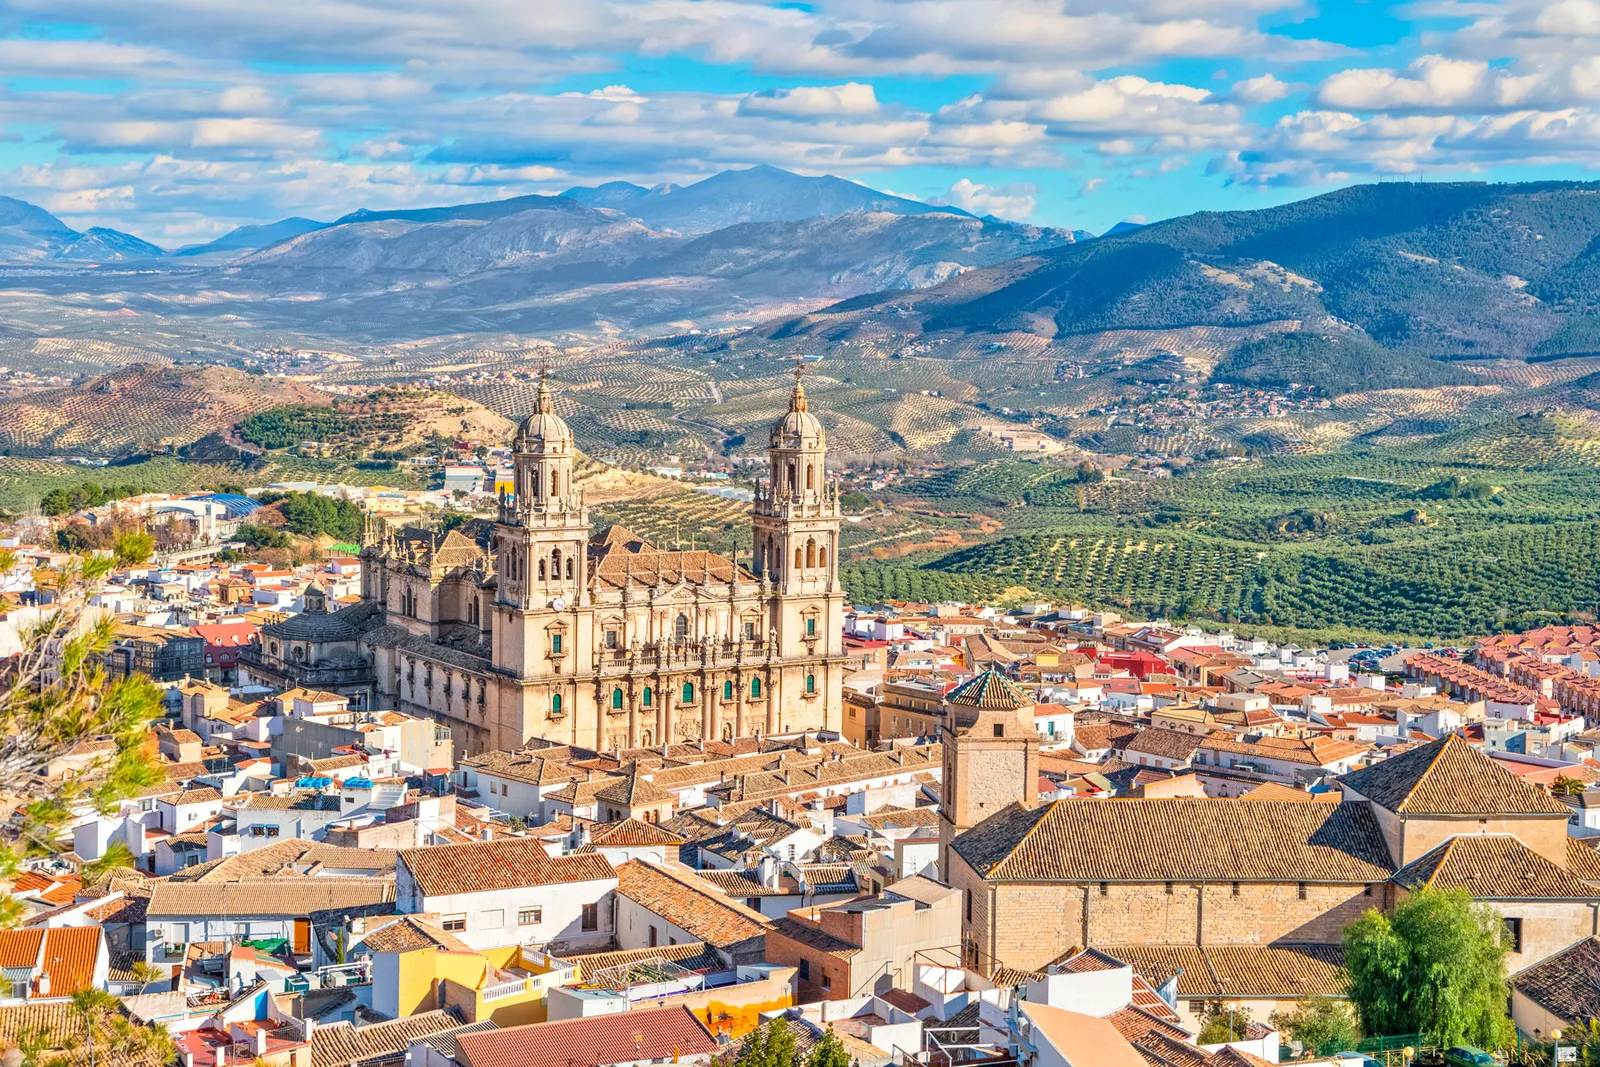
(55, 697)
(1219, 1023)
(829, 1052)
(1436, 966)
(1318, 1023)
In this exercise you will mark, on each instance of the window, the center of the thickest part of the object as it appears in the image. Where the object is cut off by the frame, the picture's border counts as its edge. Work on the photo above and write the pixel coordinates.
(827, 980)
(1366, 890)
(1105, 889)
(591, 917)
(616, 700)
(272, 831)
(681, 627)
(811, 479)
(454, 924)
(541, 570)
(688, 692)
(611, 639)
(1197, 1007)
(749, 631)
(646, 697)
(1514, 934)
(1236, 889)
(822, 557)
(555, 644)
(797, 558)
(1169, 887)
(727, 690)
(811, 683)
(555, 703)
(805, 970)
(999, 729)
(492, 920)
(655, 938)
(1301, 890)
(530, 916)
(811, 627)
(755, 687)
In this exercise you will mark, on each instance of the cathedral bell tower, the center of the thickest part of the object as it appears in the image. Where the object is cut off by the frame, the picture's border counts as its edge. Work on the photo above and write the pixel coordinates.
(542, 536)
(797, 512)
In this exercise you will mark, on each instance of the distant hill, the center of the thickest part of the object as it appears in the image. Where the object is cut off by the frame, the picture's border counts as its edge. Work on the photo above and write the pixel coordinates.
(142, 406)
(758, 194)
(250, 238)
(1452, 271)
(30, 234)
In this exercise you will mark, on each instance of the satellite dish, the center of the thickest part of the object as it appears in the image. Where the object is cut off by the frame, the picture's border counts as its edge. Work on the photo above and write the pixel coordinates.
(558, 604)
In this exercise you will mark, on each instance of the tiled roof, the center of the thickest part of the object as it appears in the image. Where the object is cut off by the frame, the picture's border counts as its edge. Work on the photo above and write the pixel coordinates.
(634, 790)
(56, 1027)
(1284, 970)
(1450, 776)
(688, 903)
(745, 883)
(290, 858)
(340, 1044)
(1583, 860)
(67, 954)
(633, 832)
(1095, 736)
(1567, 984)
(628, 1037)
(989, 690)
(447, 870)
(1313, 752)
(691, 954)
(1168, 744)
(532, 768)
(408, 933)
(1132, 841)
(814, 937)
(1276, 791)
(274, 896)
(1492, 867)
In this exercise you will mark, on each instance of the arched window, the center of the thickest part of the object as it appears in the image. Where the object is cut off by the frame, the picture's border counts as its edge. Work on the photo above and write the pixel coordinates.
(811, 481)
(646, 698)
(791, 477)
(555, 703)
(822, 556)
(541, 570)
(755, 687)
(681, 627)
(811, 552)
(688, 692)
(727, 690)
(811, 683)
(797, 557)
(555, 483)
(533, 481)
(570, 560)
(555, 563)
(616, 700)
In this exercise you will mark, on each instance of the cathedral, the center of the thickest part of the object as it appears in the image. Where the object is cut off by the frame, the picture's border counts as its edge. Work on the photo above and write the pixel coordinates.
(530, 626)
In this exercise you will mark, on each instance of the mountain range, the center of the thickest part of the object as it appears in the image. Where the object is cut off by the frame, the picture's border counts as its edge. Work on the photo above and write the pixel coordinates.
(1447, 271)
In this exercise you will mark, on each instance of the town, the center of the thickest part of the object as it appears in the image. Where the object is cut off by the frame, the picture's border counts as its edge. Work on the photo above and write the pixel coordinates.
(462, 794)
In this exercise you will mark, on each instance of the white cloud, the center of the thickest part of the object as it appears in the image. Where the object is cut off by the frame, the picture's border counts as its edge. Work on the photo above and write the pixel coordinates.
(1014, 201)
(1090, 186)
(808, 101)
(1262, 90)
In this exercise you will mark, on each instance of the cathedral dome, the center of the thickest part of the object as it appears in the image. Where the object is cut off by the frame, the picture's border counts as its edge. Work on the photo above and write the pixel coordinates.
(798, 428)
(543, 427)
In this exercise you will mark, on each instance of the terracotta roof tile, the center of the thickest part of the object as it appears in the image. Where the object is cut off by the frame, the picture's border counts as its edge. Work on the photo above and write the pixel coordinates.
(689, 904)
(1286, 970)
(1566, 984)
(1450, 776)
(633, 832)
(657, 1034)
(1131, 841)
(1493, 867)
(447, 870)
(340, 1044)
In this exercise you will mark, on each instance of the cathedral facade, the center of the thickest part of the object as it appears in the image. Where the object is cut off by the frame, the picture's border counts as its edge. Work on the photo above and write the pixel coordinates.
(532, 627)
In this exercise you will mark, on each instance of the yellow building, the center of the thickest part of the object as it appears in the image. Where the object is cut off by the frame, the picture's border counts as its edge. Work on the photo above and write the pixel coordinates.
(418, 967)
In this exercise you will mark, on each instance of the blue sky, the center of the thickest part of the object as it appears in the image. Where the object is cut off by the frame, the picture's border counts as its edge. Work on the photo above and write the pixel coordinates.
(179, 119)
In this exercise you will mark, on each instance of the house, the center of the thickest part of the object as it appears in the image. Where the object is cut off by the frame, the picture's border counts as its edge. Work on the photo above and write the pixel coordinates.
(509, 891)
(866, 945)
(660, 1036)
(418, 967)
(1560, 992)
(40, 963)
(180, 913)
(666, 904)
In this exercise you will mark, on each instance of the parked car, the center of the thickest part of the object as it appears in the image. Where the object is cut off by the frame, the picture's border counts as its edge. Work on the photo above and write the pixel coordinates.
(1467, 1056)
(1353, 1059)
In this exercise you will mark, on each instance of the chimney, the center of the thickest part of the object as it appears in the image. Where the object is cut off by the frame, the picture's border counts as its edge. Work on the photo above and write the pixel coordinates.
(222, 1055)
(260, 1042)
(43, 984)
(487, 833)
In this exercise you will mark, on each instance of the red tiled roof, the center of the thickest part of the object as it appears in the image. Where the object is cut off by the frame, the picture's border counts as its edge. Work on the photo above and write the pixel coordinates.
(447, 870)
(629, 1037)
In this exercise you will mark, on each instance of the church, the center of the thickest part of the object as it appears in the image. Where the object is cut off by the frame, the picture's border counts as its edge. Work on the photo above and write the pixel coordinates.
(532, 627)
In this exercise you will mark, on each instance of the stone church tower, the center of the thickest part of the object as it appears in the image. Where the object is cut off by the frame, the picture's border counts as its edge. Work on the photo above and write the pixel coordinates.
(991, 756)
